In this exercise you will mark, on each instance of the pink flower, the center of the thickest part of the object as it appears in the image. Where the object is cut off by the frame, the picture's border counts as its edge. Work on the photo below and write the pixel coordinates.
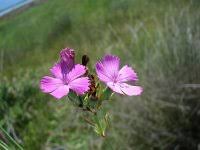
(108, 71)
(66, 76)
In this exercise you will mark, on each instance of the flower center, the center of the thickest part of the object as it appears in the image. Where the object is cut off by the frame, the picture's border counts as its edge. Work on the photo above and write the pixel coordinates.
(114, 77)
(65, 79)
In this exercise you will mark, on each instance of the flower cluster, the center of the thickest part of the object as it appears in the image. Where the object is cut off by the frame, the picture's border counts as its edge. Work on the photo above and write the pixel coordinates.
(68, 76)
(83, 87)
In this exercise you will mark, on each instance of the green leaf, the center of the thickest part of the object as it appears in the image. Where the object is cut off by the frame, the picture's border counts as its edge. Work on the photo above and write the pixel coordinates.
(101, 121)
(106, 94)
(85, 100)
(75, 99)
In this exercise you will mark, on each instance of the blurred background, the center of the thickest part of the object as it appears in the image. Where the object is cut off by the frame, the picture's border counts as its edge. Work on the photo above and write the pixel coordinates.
(159, 38)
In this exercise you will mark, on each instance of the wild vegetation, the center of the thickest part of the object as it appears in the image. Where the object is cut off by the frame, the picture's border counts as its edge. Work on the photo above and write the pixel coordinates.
(161, 39)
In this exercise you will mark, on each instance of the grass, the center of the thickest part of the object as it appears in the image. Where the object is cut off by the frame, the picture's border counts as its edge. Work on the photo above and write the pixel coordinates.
(158, 38)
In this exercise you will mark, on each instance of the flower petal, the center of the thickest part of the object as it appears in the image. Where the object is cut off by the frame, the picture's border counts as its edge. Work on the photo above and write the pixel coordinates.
(49, 84)
(115, 87)
(102, 74)
(76, 72)
(80, 85)
(107, 68)
(60, 91)
(126, 74)
(111, 61)
(56, 71)
(131, 90)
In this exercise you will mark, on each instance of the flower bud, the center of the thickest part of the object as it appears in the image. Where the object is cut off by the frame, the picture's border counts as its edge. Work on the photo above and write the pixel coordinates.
(85, 60)
(67, 57)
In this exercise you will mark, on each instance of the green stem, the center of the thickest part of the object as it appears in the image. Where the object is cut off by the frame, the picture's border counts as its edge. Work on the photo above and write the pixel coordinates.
(3, 145)
(89, 121)
(11, 139)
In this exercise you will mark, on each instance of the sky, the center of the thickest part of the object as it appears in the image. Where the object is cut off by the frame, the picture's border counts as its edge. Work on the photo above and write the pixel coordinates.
(7, 4)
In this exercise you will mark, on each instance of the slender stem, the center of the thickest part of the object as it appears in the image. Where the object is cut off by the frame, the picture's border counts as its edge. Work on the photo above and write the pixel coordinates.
(90, 110)
(89, 121)
(3, 145)
(11, 139)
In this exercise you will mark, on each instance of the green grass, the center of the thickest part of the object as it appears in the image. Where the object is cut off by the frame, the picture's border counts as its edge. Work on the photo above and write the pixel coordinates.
(160, 39)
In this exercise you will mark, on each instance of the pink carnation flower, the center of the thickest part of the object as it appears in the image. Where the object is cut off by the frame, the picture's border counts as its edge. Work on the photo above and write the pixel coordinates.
(66, 76)
(108, 71)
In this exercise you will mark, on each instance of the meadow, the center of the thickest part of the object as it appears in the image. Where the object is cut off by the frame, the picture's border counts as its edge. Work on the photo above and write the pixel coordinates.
(159, 38)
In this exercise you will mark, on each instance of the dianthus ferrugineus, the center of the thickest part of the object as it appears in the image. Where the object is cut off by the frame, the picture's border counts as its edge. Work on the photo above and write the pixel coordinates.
(108, 71)
(83, 88)
(66, 76)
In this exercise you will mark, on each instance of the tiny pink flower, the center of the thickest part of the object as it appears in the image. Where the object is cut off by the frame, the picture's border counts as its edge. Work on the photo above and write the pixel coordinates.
(66, 76)
(108, 71)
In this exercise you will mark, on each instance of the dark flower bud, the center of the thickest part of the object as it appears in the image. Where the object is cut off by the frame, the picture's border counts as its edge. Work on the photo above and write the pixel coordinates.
(85, 60)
